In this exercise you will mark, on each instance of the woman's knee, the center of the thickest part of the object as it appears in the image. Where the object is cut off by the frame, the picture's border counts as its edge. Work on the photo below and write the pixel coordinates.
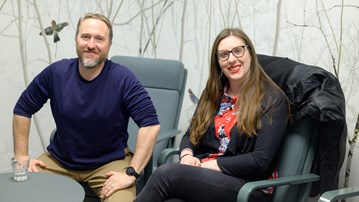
(165, 171)
(167, 168)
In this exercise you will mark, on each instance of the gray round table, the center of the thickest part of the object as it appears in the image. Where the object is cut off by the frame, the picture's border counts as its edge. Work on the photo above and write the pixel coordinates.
(40, 187)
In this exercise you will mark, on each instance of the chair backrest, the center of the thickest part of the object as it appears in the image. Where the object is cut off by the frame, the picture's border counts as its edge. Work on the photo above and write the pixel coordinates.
(296, 157)
(165, 81)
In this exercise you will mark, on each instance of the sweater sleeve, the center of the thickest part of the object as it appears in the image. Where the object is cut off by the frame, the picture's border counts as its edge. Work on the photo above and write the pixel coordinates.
(186, 142)
(268, 140)
(138, 102)
(35, 95)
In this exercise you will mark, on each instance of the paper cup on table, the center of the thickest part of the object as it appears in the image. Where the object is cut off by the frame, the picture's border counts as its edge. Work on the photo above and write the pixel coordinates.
(19, 168)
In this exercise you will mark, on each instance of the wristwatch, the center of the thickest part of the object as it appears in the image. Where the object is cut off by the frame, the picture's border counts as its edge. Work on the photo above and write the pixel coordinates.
(131, 172)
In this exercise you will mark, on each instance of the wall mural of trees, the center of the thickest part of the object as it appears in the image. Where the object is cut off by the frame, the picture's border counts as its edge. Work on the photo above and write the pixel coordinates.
(322, 33)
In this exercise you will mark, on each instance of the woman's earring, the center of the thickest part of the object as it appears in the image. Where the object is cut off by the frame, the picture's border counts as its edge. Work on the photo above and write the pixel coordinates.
(220, 76)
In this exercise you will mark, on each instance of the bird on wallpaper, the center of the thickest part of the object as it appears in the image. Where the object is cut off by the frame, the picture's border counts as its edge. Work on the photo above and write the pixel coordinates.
(193, 97)
(54, 29)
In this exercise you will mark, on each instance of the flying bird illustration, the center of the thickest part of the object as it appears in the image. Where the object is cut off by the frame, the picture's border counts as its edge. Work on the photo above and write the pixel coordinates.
(54, 29)
(193, 97)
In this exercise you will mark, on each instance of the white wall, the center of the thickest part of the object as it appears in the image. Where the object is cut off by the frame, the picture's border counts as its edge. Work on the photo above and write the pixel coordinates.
(308, 31)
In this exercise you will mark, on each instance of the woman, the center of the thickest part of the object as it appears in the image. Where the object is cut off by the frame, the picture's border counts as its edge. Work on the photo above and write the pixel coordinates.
(234, 134)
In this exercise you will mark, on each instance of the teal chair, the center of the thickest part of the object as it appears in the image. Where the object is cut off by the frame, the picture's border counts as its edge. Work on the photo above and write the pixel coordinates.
(165, 81)
(295, 162)
(339, 194)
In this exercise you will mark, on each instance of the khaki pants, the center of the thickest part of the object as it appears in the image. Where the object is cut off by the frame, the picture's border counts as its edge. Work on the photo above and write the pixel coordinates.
(95, 178)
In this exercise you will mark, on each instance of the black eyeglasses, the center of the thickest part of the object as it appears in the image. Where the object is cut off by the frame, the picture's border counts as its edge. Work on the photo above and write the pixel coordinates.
(237, 52)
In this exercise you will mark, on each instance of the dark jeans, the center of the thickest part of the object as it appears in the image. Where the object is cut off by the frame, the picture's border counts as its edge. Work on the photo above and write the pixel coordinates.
(177, 182)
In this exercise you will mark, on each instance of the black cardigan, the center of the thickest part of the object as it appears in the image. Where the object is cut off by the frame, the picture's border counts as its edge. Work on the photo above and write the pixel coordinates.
(249, 158)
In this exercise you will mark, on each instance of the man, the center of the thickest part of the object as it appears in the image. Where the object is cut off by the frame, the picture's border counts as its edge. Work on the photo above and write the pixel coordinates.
(91, 100)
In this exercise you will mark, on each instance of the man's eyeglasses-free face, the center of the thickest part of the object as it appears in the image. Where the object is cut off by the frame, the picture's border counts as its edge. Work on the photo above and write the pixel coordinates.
(236, 51)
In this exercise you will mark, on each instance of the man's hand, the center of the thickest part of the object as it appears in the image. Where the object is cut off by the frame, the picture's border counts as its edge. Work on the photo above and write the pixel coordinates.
(33, 163)
(116, 181)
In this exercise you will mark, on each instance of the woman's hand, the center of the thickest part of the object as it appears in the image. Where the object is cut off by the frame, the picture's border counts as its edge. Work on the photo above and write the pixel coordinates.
(212, 164)
(190, 160)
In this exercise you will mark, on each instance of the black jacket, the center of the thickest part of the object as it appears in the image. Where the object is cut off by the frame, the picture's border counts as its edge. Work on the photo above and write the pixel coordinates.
(315, 92)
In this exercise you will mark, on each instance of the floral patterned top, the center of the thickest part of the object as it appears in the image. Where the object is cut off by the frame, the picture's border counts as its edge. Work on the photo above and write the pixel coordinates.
(224, 122)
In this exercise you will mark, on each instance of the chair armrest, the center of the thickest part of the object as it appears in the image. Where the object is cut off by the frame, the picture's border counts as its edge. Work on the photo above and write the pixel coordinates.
(245, 191)
(167, 134)
(338, 194)
(52, 135)
(162, 136)
(166, 154)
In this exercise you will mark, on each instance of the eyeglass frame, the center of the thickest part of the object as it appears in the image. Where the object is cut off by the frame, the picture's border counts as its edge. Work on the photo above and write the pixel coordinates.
(231, 51)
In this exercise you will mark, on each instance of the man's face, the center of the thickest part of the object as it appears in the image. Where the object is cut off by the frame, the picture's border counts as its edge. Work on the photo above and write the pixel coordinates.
(93, 43)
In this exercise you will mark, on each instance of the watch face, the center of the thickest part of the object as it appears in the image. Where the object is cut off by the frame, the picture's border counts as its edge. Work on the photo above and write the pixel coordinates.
(131, 171)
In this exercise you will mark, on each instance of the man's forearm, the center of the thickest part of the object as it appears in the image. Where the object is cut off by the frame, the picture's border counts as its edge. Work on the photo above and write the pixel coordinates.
(144, 147)
(21, 128)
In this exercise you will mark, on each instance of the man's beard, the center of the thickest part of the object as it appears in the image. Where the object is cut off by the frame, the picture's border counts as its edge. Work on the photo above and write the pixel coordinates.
(89, 63)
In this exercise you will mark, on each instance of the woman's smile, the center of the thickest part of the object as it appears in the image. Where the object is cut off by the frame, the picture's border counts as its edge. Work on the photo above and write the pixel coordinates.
(234, 69)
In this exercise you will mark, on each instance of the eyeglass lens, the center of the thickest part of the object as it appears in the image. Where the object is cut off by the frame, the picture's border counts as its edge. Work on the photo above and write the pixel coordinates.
(237, 52)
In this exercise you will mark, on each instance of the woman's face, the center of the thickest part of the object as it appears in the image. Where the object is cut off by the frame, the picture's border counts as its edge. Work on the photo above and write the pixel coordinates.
(236, 67)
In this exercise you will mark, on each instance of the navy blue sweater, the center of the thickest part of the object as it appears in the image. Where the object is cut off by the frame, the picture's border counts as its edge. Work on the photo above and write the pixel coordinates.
(91, 116)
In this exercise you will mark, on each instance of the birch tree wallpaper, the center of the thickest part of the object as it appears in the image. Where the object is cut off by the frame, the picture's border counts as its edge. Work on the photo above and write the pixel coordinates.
(324, 33)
